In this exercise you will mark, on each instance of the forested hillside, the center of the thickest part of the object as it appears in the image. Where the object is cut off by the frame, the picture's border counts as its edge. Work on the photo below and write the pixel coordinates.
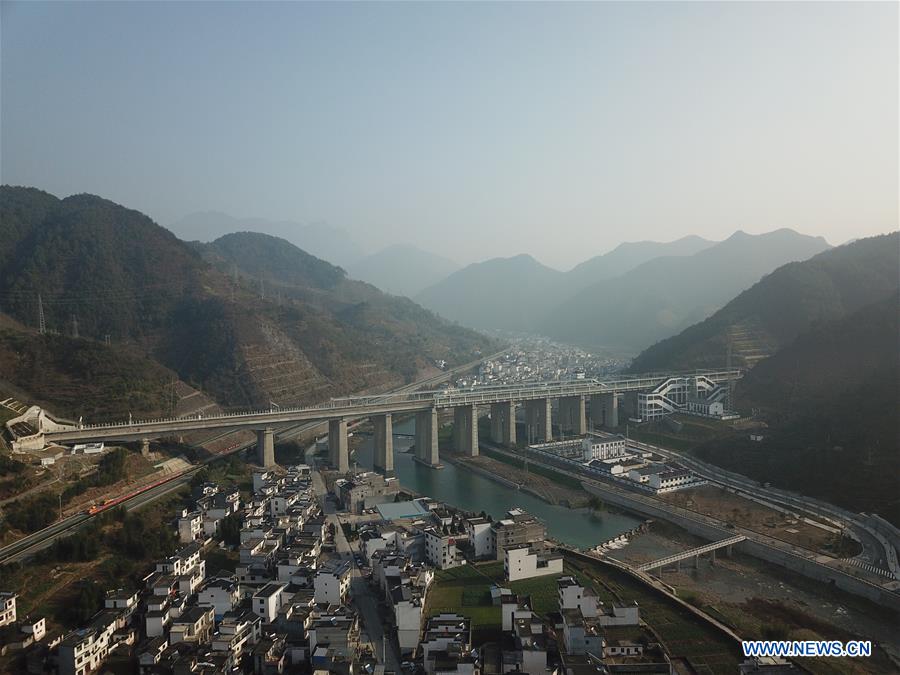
(830, 398)
(288, 327)
(782, 305)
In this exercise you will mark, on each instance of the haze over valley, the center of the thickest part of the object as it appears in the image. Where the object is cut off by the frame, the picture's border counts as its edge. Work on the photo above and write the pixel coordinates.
(344, 338)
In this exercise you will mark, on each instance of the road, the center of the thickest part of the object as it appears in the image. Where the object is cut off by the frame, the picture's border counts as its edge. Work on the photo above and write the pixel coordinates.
(361, 594)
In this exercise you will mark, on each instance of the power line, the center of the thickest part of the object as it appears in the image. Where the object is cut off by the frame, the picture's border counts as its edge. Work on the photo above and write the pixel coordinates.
(42, 325)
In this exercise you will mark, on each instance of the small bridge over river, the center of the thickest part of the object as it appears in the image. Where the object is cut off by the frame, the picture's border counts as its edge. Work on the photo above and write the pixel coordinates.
(693, 553)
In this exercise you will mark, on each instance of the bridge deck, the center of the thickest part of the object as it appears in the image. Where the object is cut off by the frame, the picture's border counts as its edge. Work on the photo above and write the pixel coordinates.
(684, 555)
(363, 406)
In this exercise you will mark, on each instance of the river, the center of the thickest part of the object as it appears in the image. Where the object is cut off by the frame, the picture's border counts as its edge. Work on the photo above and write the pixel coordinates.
(464, 489)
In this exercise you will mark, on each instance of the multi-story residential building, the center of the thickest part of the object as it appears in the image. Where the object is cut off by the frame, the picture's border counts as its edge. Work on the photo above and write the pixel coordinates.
(332, 582)
(440, 549)
(83, 651)
(572, 595)
(480, 537)
(525, 562)
(518, 527)
(581, 635)
(190, 527)
(365, 491)
(222, 593)
(338, 629)
(7, 608)
(194, 625)
(530, 653)
(268, 600)
(447, 645)
(237, 632)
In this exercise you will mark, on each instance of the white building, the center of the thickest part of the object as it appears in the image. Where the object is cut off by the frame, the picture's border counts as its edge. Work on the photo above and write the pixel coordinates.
(193, 625)
(268, 600)
(594, 446)
(440, 549)
(222, 594)
(481, 537)
(332, 582)
(573, 595)
(84, 651)
(7, 608)
(524, 562)
(692, 394)
(670, 479)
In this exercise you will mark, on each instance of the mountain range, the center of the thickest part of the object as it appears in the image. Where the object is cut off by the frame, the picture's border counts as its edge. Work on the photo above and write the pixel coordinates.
(626, 299)
(248, 318)
(782, 305)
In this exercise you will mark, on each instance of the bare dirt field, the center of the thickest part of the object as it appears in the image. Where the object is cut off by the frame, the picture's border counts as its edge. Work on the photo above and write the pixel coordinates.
(718, 503)
(762, 600)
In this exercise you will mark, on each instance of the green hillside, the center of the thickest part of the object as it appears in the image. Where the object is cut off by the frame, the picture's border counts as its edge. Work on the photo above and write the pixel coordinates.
(782, 305)
(290, 328)
(82, 377)
(830, 398)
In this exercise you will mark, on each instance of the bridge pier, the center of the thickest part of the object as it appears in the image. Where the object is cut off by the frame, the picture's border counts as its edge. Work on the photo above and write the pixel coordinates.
(338, 448)
(145, 447)
(503, 423)
(265, 447)
(427, 437)
(537, 420)
(384, 444)
(572, 418)
(465, 429)
(605, 409)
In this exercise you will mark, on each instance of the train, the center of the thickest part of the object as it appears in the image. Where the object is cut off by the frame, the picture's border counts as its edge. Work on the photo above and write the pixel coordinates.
(109, 503)
(115, 501)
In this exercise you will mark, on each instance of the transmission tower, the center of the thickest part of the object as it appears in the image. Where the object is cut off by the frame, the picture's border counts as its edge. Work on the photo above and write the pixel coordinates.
(74, 326)
(262, 289)
(42, 324)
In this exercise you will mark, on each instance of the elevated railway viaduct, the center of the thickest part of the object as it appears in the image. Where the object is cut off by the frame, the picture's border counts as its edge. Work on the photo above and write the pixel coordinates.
(604, 396)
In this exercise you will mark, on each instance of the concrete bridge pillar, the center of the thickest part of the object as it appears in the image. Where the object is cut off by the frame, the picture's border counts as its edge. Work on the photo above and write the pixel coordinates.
(572, 418)
(465, 429)
(611, 410)
(537, 420)
(384, 444)
(427, 437)
(497, 422)
(503, 423)
(338, 448)
(265, 447)
(145, 447)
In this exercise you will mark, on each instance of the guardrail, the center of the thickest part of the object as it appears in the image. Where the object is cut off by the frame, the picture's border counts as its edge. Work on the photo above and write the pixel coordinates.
(361, 405)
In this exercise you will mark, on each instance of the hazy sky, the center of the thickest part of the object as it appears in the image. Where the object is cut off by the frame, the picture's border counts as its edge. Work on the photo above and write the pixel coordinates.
(474, 129)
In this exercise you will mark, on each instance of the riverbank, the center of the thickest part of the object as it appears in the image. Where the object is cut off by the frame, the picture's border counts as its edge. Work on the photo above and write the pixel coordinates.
(523, 481)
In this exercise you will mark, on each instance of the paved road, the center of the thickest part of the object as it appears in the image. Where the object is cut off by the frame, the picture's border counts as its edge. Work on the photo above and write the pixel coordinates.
(362, 596)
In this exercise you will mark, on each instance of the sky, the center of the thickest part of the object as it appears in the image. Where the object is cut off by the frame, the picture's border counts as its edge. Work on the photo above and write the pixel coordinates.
(473, 130)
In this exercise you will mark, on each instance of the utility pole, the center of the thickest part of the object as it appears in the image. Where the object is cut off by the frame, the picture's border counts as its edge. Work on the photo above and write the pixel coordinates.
(42, 325)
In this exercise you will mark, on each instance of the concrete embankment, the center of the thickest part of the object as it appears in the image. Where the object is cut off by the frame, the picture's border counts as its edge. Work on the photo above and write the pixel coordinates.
(753, 546)
(494, 477)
